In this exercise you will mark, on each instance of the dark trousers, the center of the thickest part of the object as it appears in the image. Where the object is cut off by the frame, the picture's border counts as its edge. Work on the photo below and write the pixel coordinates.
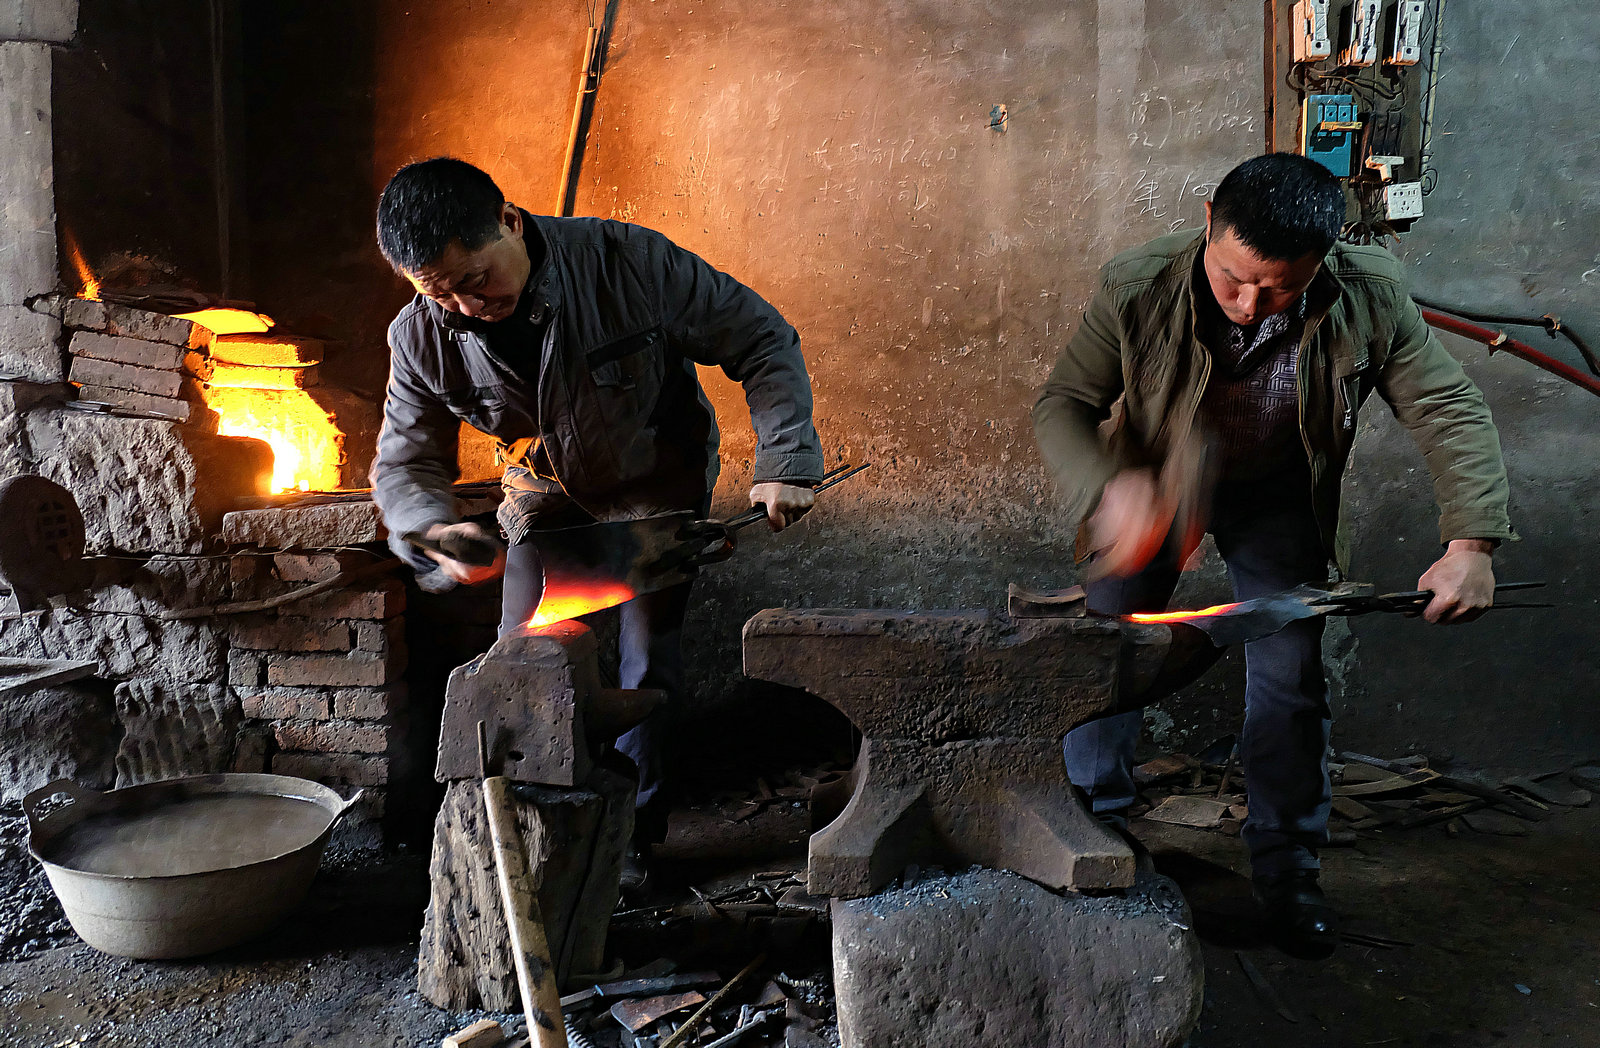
(651, 646)
(1268, 539)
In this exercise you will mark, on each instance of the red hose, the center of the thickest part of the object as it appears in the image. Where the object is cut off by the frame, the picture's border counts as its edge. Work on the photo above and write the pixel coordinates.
(1499, 340)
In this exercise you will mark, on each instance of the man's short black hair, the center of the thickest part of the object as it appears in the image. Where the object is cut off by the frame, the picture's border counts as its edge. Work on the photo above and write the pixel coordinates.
(431, 203)
(1280, 206)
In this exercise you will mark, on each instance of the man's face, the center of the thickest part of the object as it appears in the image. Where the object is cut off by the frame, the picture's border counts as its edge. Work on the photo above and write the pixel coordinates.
(1250, 288)
(485, 283)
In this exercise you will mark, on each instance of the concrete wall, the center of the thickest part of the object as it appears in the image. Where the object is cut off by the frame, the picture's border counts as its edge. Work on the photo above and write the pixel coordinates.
(1513, 227)
(843, 164)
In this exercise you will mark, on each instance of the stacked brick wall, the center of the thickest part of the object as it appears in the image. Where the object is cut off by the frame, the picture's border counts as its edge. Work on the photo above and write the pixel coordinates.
(321, 681)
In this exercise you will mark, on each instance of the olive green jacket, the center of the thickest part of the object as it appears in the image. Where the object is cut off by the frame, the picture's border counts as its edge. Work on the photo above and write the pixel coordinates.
(1138, 342)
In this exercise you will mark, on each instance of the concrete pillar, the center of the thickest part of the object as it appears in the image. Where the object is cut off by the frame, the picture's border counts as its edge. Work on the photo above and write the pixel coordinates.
(29, 340)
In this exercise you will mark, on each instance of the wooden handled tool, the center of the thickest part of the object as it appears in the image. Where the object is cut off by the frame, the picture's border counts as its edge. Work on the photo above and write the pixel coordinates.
(530, 950)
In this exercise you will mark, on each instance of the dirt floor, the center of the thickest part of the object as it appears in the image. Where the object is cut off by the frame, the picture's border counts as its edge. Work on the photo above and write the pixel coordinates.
(1468, 940)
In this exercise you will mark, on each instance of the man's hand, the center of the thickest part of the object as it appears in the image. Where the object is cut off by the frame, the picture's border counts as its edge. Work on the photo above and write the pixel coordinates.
(471, 574)
(1128, 527)
(784, 503)
(1462, 582)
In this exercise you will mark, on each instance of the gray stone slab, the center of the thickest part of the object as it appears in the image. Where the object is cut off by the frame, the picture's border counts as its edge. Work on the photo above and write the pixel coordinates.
(27, 181)
(955, 961)
(146, 486)
(133, 402)
(88, 372)
(66, 732)
(163, 356)
(48, 21)
(30, 344)
(312, 527)
(124, 646)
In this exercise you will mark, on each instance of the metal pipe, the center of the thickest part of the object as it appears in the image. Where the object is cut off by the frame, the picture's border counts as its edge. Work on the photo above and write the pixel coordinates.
(1499, 340)
(584, 78)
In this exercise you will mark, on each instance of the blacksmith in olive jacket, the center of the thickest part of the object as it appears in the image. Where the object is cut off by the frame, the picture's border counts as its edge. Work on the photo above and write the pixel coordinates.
(573, 342)
(1237, 360)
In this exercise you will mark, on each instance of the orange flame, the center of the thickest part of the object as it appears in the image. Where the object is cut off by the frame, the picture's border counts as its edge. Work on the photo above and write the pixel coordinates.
(91, 286)
(229, 321)
(1179, 616)
(567, 599)
(306, 445)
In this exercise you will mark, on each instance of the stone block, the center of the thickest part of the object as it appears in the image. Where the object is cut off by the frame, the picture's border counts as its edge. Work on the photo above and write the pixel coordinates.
(30, 344)
(89, 372)
(172, 730)
(384, 602)
(120, 349)
(174, 408)
(252, 751)
(369, 703)
(383, 636)
(951, 960)
(311, 527)
(83, 315)
(267, 351)
(47, 21)
(333, 736)
(64, 732)
(156, 584)
(125, 646)
(27, 180)
(287, 704)
(356, 669)
(289, 633)
(314, 567)
(246, 669)
(244, 567)
(145, 485)
(341, 769)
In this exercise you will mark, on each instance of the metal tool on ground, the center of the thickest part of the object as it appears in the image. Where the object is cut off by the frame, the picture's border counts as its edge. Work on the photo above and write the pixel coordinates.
(530, 950)
(692, 1023)
(647, 554)
(1250, 620)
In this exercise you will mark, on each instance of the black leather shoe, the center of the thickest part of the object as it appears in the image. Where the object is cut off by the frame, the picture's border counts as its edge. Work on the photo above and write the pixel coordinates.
(1298, 917)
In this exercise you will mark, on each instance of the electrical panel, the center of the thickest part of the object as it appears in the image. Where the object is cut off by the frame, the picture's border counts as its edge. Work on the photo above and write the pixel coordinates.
(1358, 38)
(1402, 200)
(1331, 130)
(1311, 43)
(1405, 33)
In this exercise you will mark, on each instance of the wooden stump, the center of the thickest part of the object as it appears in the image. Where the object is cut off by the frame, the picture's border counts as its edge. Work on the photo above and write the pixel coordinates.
(575, 841)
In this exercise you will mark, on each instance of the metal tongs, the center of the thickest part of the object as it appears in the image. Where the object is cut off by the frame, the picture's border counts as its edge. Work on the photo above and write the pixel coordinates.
(1249, 620)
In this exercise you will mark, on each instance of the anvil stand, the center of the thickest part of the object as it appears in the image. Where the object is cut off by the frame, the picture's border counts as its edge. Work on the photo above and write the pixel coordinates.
(546, 721)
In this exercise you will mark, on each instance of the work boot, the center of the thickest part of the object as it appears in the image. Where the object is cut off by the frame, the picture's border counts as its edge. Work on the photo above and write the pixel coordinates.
(1297, 914)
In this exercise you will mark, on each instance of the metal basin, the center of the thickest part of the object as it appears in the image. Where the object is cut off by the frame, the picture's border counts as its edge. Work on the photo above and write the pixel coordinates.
(181, 867)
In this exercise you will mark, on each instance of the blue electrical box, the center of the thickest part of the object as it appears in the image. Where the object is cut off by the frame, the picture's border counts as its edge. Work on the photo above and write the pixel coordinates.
(1331, 128)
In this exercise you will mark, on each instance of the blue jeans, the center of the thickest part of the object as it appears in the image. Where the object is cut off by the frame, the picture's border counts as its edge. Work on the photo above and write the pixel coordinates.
(1268, 539)
(651, 657)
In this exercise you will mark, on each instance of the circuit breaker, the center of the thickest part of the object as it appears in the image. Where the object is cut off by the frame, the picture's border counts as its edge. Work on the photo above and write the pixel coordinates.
(1405, 33)
(1331, 130)
(1311, 43)
(1358, 37)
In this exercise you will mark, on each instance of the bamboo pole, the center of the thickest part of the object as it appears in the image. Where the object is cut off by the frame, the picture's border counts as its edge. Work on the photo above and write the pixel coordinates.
(584, 77)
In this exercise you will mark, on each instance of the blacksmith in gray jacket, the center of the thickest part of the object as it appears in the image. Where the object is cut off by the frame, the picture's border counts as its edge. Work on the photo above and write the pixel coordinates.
(573, 342)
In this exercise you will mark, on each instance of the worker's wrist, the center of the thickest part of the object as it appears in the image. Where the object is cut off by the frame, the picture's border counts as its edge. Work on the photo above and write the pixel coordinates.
(1485, 546)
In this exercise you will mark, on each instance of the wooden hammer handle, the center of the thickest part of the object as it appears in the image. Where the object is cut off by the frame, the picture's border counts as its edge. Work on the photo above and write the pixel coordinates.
(530, 950)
